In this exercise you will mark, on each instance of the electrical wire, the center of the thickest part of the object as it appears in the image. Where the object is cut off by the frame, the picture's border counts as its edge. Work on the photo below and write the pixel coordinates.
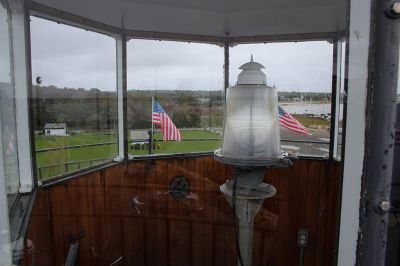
(239, 253)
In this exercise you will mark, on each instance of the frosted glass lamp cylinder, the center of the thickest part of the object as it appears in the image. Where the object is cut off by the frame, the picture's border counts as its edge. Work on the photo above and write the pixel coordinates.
(251, 129)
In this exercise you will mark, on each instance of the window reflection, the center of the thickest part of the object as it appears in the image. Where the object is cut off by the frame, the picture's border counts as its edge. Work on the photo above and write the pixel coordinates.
(7, 112)
(8, 150)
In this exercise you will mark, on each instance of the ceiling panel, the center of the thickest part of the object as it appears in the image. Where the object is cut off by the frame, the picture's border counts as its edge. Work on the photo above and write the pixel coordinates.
(213, 17)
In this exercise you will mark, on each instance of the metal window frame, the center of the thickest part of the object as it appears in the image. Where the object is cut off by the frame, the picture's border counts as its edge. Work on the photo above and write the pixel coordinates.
(4, 217)
(6, 6)
(355, 83)
(122, 98)
(21, 79)
(337, 77)
(19, 212)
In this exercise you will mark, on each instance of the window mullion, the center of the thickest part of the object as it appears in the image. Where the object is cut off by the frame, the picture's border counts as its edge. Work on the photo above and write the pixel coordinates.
(121, 96)
(20, 68)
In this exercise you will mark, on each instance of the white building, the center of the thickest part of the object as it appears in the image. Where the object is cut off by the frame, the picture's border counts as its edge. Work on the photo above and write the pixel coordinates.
(55, 129)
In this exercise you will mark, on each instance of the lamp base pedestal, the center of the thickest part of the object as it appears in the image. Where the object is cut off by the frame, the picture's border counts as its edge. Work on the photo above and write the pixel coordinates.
(248, 202)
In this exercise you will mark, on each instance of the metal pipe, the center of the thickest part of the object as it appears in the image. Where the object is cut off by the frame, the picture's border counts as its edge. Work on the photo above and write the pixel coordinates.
(381, 112)
(246, 224)
(246, 194)
(236, 234)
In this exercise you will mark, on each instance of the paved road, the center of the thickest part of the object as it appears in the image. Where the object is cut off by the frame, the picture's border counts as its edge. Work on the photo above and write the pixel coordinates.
(314, 149)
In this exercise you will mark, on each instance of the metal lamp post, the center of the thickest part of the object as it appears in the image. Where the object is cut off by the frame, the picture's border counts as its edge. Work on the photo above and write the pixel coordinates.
(251, 143)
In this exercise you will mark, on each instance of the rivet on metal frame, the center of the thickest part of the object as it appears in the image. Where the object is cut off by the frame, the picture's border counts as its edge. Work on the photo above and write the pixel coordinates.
(384, 206)
(396, 8)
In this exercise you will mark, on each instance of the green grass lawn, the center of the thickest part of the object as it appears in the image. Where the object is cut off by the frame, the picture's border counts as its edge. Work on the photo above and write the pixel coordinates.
(312, 121)
(53, 163)
(183, 146)
(74, 155)
(43, 142)
(59, 162)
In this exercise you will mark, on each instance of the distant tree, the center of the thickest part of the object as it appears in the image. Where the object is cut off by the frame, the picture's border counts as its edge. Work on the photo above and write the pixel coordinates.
(180, 119)
(185, 99)
(194, 119)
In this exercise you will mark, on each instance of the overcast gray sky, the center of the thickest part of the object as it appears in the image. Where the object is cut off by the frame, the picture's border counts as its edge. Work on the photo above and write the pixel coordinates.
(70, 57)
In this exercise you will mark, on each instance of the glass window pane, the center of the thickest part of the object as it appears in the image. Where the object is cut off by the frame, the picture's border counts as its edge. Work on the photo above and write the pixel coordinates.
(302, 73)
(186, 79)
(7, 111)
(9, 171)
(74, 91)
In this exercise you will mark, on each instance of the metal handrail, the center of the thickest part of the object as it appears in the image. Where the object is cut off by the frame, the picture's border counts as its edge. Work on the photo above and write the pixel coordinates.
(76, 146)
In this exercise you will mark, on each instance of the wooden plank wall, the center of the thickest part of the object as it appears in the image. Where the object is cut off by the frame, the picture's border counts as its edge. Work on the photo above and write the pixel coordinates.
(194, 231)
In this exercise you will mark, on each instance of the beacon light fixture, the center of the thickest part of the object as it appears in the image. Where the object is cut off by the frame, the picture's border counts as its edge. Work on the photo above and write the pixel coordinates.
(251, 143)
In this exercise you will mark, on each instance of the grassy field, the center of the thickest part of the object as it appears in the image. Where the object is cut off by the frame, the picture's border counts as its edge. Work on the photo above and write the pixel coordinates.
(312, 121)
(54, 163)
(43, 142)
(58, 162)
(183, 146)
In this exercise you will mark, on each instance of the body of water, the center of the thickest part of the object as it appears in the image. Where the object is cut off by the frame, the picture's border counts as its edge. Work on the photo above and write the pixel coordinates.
(310, 108)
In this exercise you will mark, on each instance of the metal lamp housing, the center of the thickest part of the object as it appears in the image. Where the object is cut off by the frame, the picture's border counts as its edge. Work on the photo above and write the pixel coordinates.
(251, 130)
(251, 142)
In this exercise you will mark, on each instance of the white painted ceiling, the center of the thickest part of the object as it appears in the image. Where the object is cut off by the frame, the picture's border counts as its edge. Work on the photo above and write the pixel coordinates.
(213, 17)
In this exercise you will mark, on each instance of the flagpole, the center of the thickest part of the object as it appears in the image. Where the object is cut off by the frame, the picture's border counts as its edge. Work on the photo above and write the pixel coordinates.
(152, 127)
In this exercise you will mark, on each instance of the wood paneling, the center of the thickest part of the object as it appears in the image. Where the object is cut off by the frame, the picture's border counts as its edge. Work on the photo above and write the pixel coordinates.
(194, 231)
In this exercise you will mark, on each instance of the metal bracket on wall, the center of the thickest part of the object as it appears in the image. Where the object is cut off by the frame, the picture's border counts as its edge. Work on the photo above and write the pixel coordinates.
(179, 187)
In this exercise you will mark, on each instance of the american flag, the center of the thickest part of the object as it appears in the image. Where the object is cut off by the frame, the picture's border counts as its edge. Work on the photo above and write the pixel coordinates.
(160, 118)
(289, 122)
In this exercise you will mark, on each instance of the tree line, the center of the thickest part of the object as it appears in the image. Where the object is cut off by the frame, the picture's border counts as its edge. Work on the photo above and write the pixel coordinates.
(304, 96)
(96, 110)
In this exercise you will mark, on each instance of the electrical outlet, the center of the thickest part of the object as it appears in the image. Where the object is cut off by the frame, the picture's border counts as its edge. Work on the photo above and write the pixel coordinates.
(302, 238)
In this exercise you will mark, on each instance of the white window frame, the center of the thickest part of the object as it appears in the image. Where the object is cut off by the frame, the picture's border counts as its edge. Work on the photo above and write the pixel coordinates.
(20, 65)
(359, 36)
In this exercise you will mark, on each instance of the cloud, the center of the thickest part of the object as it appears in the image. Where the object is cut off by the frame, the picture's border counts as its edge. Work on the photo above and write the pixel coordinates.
(71, 57)
(174, 65)
(66, 56)
(302, 66)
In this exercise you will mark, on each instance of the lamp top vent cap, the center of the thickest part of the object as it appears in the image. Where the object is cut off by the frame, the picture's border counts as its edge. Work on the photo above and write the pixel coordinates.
(252, 74)
(251, 65)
